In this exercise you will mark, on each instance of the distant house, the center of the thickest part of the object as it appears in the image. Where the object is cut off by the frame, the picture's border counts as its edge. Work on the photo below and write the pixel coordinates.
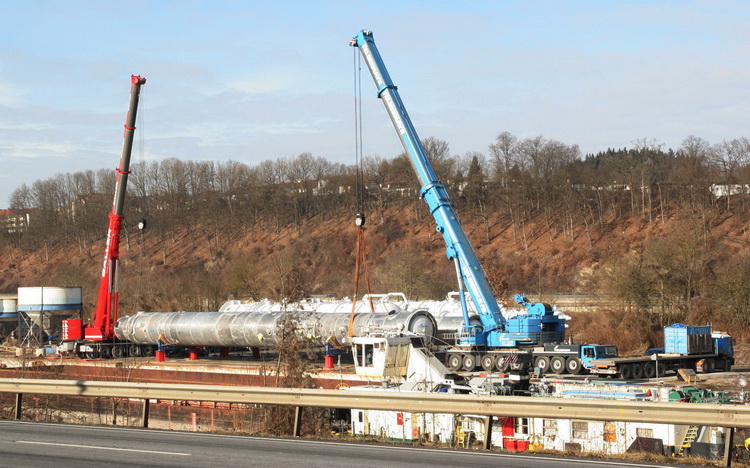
(14, 221)
(723, 190)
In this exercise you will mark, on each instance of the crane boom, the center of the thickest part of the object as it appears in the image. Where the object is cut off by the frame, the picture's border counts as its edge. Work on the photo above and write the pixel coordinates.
(539, 324)
(105, 314)
(434, 193)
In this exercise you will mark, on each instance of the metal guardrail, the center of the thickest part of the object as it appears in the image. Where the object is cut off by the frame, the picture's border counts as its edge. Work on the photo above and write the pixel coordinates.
(702, 414)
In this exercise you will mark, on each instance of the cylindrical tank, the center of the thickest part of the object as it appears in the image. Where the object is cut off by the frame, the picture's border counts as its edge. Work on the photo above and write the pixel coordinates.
(8, 310)
(262, 329)
(381, 303)
(47, 306)
(53, 301)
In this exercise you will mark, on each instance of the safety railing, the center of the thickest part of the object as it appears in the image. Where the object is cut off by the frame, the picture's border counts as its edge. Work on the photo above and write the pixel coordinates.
(715, 415)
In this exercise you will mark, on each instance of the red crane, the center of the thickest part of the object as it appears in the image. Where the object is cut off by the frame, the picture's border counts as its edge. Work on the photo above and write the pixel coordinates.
(105, 314)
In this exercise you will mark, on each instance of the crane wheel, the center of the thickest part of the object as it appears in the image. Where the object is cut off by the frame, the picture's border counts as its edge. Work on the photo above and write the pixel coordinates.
(542, 363)
(488, 362)
(470, 362)
(454, 362)
(573, 365)
(118, 352)
(134, 350)
(557, 365)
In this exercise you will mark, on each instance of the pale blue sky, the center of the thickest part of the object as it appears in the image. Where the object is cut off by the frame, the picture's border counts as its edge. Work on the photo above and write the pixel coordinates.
(251, 81)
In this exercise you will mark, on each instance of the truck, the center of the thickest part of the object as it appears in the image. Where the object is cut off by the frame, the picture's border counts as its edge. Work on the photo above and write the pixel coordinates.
(98, 340)
(486, 343)
(685, 347)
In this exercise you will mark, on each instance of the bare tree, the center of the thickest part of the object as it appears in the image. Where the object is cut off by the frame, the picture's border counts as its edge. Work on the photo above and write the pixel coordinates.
(438, 152)
(729, 157)
(505, 155)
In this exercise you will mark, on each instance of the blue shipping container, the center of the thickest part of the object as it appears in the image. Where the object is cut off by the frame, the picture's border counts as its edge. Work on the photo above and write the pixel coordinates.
(687, 339)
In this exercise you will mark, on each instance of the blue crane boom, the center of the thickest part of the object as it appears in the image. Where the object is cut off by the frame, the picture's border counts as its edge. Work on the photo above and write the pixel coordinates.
(458, 247)
(496, 331)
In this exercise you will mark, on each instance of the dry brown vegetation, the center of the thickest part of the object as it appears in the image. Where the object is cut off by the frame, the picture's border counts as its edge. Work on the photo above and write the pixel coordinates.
(639, 226)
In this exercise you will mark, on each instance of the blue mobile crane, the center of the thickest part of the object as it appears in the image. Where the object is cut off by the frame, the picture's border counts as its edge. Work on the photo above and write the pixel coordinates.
(499, 343)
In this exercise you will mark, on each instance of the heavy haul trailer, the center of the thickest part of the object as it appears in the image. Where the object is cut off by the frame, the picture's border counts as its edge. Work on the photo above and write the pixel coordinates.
(685, 347)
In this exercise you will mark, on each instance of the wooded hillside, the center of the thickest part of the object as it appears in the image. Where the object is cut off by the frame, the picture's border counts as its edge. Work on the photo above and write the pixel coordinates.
(663, 232)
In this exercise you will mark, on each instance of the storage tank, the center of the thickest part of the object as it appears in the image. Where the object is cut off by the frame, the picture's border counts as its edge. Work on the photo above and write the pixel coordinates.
(381, 303)
(262, 329)
(9, 310)
(47, 306)
(55, 301)
(8, 315)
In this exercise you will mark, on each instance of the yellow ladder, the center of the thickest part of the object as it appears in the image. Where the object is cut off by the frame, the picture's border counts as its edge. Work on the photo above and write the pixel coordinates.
(690, 436)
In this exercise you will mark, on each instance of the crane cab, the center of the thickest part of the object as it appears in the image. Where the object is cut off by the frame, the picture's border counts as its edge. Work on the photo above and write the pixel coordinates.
(381, 356)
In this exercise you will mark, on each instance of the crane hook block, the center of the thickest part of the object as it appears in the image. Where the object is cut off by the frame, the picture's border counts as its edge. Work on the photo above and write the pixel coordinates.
(359, 219)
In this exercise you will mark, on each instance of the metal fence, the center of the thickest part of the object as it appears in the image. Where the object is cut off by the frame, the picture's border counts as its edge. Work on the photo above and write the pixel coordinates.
(715, 415)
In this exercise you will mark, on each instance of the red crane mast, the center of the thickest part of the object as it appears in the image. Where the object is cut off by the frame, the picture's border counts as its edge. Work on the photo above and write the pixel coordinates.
(105, 314)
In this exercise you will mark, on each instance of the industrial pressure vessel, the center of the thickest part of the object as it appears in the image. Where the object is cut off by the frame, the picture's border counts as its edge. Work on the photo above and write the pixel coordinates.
(263, 329)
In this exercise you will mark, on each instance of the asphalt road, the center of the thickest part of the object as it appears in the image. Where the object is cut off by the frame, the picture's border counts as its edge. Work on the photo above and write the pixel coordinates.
(30, 445)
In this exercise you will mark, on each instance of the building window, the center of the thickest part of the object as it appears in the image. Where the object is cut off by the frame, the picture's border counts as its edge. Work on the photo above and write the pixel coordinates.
(522, 425)
(580, 430)
(610, 432)
(550, 428)
(643, 432)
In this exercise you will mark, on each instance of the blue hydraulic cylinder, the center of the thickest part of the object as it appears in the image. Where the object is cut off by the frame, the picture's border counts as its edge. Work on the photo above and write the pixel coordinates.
(433, 192)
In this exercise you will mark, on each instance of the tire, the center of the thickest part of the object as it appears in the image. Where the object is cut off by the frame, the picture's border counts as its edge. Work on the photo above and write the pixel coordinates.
(557, 365)
(573, 365)
(649, 370)
(134, 350)
(502, 365)
(638, 371)
(727, 365)
(542, 362)
(118, 352)
(626, 372)
(488, 362)
(661, 369)
(454, 362)
(105, 352)
(470, 362)
(147, 350)
(96, 353)
(708, 366)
